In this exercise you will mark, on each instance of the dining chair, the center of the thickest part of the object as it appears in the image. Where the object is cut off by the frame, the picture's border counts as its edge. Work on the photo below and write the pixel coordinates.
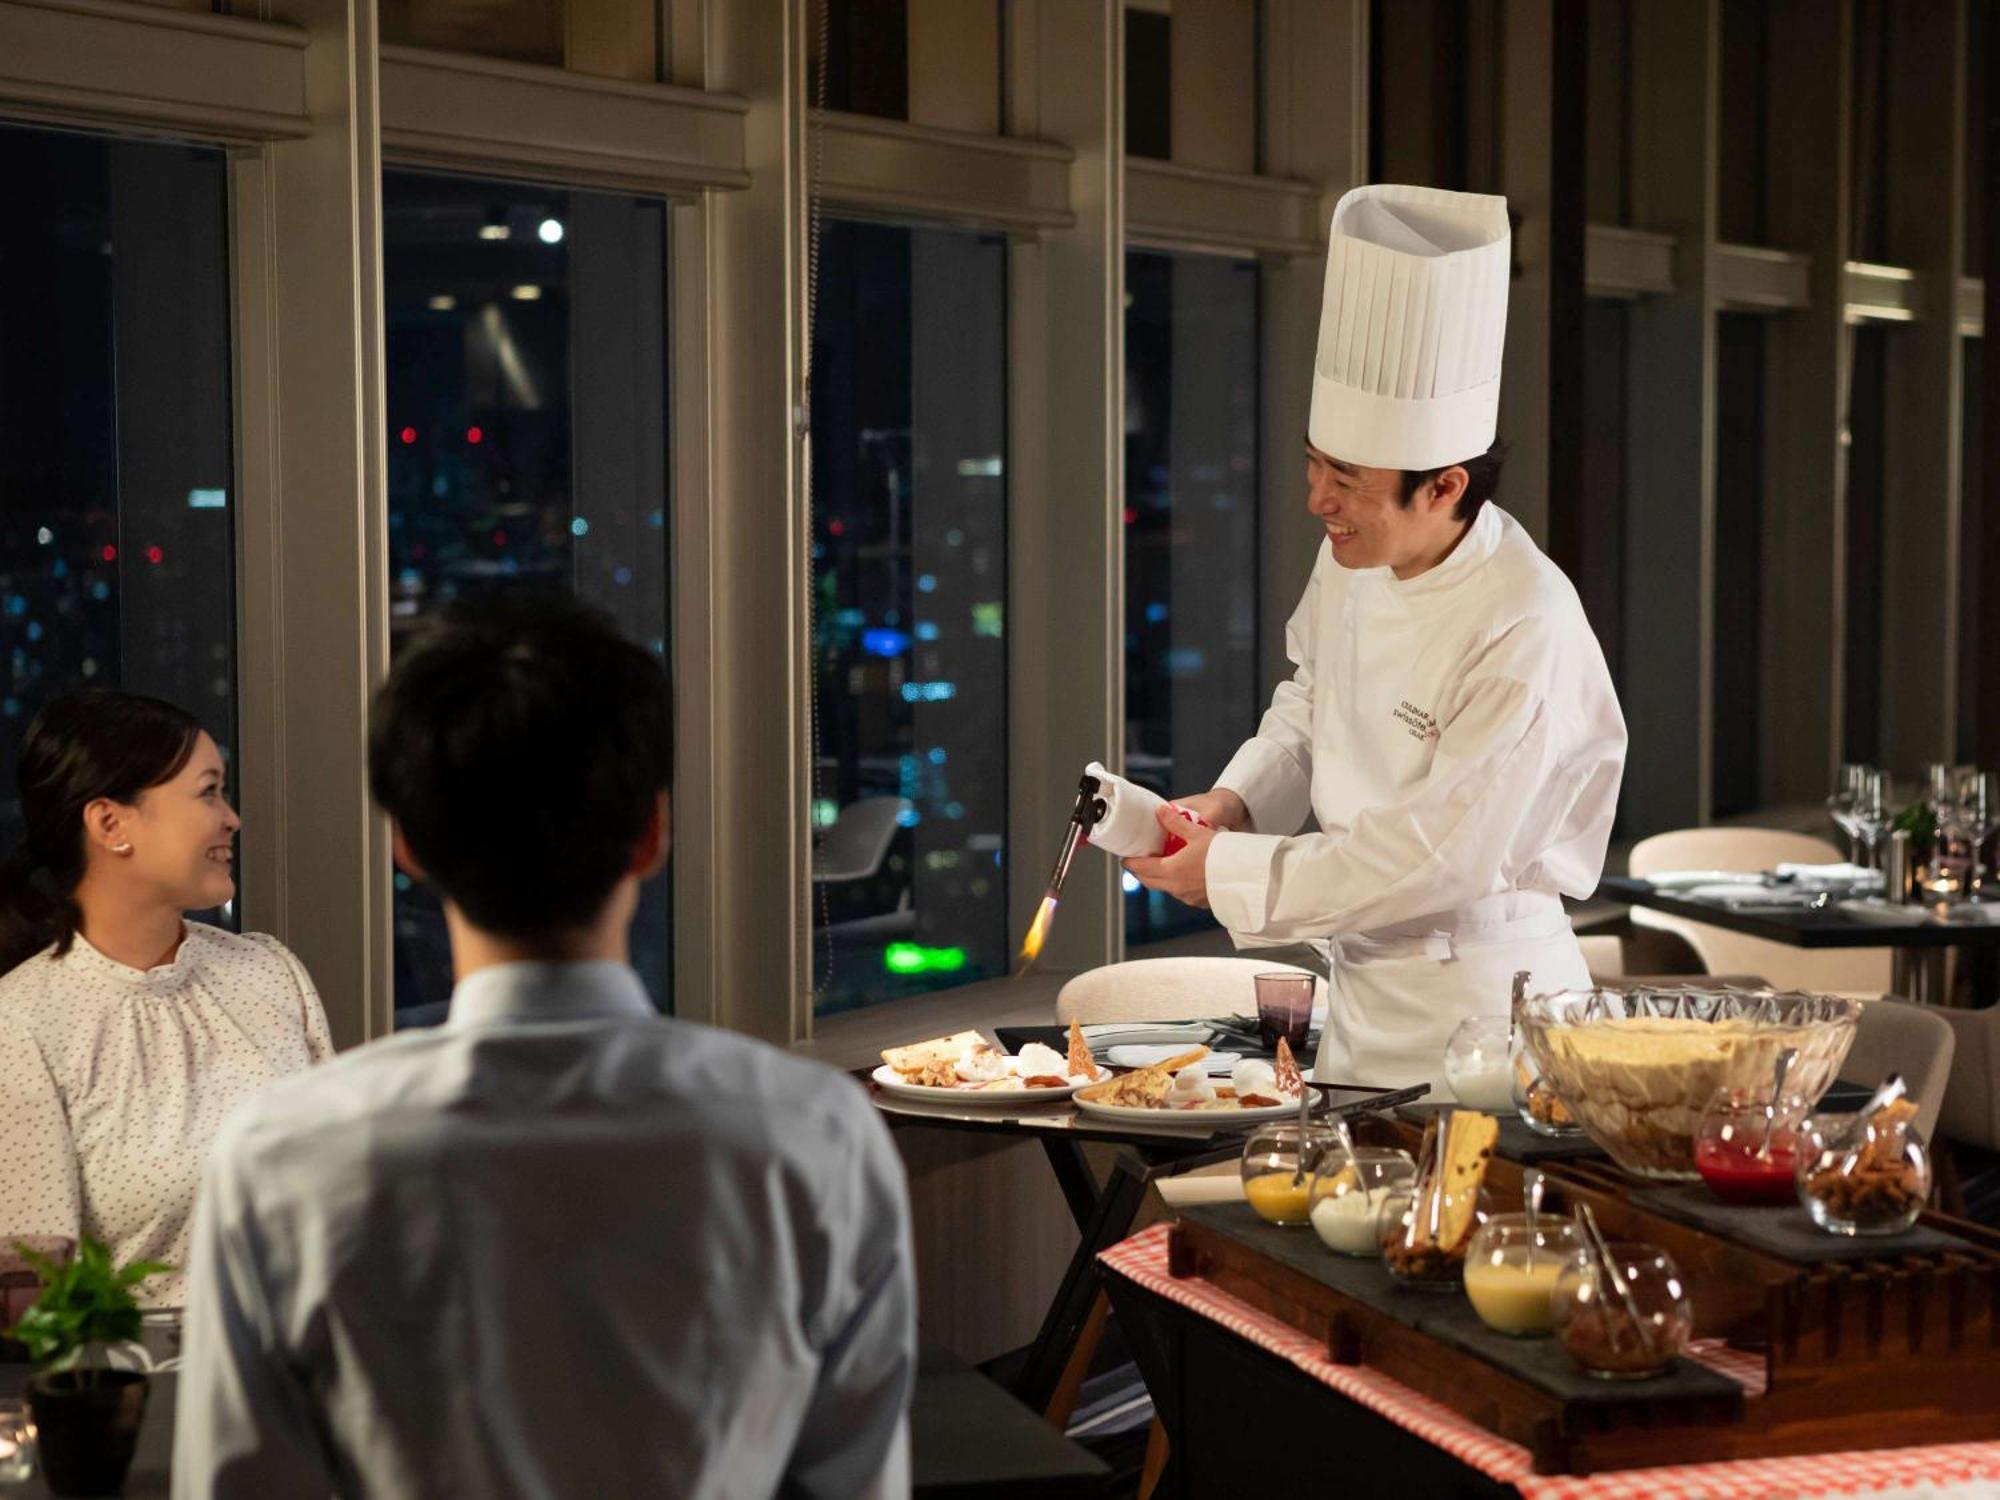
(1862, 971)
(1171, 989)
(1900, 1036)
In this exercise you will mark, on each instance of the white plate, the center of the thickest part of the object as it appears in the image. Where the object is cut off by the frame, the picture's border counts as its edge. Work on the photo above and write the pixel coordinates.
(1135, 1056)
(1210, 1117)
(1883, 913)
(1674, 880)
(892, 1083)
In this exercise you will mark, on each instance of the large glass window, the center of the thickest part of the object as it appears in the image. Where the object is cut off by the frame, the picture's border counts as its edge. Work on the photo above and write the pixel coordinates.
(1191, 689)
(527, 442)
(909, 429)
(117, 497)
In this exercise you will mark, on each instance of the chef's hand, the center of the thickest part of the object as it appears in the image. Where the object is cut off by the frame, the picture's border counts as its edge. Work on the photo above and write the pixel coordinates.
(1184, 873)
(1221, 807)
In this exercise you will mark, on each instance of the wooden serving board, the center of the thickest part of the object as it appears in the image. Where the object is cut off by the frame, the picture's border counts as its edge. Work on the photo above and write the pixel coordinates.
(1526, 1390)
(1895, 1350)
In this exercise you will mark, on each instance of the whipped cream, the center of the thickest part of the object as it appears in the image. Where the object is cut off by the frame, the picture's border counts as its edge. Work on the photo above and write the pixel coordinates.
(1038, 1061)
(1350, 1222)
(983, 1064)
(1190, 1086)
(1254, 1076)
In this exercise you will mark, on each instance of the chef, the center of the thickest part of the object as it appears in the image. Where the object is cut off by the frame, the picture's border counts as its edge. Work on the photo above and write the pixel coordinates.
(1450, 724)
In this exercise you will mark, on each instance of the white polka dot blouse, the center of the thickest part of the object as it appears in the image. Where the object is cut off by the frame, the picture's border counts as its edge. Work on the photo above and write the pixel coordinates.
(113, 1081)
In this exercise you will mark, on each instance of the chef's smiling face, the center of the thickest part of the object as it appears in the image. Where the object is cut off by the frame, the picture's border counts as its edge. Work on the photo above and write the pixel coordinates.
(1369, 525)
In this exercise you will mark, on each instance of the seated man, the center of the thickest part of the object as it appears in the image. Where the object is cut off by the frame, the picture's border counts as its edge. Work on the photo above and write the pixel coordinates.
(558, 1246)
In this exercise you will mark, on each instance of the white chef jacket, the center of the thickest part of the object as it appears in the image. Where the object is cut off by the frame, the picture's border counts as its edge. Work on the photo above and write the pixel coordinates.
(557, 1247)
(1458, 739)
(113, 1081)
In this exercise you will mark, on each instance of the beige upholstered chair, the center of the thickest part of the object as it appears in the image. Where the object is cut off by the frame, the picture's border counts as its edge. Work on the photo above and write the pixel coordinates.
(1836, 970)
(1971, 1110)
(1170, 989)
(1900, 1036)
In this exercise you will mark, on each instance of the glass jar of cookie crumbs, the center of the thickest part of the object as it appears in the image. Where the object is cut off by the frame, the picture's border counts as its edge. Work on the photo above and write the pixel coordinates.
(1866, 1174)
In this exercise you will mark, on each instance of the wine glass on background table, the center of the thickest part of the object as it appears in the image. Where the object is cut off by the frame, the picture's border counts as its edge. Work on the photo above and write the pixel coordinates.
(1870, 813)
(1840, 806)
(1976, 816)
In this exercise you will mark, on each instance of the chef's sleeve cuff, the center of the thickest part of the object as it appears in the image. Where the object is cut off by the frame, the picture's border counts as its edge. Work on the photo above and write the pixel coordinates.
(1273, 785)
(1239, 879)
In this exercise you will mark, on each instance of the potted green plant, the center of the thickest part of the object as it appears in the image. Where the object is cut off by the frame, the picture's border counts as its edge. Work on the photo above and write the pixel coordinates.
(87, 1410)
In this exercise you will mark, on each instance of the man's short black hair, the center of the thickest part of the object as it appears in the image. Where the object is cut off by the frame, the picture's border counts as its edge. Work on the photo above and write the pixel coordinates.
(521, 747)
(1482, 479)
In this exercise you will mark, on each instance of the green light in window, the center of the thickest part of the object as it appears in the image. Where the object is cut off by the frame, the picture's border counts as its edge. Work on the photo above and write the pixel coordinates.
(914, 958)
(987, 619)
(826, 812)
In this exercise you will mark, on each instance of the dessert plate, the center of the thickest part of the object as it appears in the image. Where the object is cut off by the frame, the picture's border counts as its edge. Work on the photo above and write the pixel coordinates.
(1212, 1118)
(892, 1082)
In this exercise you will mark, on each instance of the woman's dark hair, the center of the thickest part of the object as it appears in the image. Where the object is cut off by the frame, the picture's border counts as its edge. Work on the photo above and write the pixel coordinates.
(521, 745)
(1482, 479)
(99, 743)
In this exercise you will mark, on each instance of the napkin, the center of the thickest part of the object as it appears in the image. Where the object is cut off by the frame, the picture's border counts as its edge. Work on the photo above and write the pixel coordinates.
(1820, 876)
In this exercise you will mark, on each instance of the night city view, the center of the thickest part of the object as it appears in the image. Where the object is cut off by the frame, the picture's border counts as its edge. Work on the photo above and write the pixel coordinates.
(527, 413)
(117, 529)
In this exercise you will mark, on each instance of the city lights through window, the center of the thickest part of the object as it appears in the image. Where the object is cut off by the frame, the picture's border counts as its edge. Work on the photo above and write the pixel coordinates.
(910, 583)
(527, 417)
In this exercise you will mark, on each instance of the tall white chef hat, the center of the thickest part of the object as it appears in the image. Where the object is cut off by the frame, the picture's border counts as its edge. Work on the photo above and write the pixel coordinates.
(1411, 328)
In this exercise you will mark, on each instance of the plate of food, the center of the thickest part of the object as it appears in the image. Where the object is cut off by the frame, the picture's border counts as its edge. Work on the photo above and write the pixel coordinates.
(1178, 1091)
(966, 1068)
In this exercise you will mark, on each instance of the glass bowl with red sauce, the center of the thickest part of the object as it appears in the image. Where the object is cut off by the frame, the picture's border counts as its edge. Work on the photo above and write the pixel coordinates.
(1747, 1151)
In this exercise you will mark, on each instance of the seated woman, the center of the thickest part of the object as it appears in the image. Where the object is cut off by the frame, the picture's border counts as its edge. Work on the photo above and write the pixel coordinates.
(127, 1033)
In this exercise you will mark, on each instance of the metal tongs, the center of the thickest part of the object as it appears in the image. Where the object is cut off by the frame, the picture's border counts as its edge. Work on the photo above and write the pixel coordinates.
(1083, 817)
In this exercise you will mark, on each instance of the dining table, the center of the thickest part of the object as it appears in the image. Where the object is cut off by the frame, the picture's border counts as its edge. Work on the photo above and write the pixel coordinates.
(1918, 936)
(1104, 1212)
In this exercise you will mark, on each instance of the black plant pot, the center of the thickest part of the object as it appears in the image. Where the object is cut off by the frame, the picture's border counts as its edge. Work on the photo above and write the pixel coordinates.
(88, 1427)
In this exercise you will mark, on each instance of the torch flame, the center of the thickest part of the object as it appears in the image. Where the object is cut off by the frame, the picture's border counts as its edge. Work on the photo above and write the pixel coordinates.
(1038, 930)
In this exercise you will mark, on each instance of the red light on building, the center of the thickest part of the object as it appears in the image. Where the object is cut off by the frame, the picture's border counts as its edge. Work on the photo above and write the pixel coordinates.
(837, 528)
(110, 553)
(408, 435)
(499, 538)
(1131, 514)
(156, 554)
(474, 435)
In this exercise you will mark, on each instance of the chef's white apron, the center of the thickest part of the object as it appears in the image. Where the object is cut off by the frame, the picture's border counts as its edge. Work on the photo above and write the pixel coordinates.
(1398, 993)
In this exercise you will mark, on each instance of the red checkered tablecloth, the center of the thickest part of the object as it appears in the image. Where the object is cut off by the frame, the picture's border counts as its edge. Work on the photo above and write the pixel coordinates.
(1959, 1470)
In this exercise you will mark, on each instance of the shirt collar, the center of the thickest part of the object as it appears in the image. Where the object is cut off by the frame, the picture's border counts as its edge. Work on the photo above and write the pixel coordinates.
(163, 979)
(1481, 538)
(594, 991)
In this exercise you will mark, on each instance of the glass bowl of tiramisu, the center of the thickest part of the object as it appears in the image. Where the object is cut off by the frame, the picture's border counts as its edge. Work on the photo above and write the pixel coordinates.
(1635, 1068)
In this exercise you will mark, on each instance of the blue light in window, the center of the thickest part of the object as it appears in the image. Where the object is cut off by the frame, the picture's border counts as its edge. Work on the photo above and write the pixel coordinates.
(579, 527)
(954, 810)
(100, 590)
(884, 642)
(909, 817)
(16, 606)
(927, 630)
(622, 576)
(34, 630)
(59, 569)
(927, 583)
(1156, 613)
(851, 618)
(929, 692)
(937, 755)
(208, 499)
(1186, 661)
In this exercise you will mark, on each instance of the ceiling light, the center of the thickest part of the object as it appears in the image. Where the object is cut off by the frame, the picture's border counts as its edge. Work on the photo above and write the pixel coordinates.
(527, 291)
(495, 232)
(551, 231)
(443, 302)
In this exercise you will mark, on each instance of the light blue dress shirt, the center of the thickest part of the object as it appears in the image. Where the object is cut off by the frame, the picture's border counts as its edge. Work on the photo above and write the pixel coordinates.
(557, 1247)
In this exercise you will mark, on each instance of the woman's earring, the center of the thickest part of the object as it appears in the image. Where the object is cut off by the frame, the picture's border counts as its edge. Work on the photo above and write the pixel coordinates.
(121, 848)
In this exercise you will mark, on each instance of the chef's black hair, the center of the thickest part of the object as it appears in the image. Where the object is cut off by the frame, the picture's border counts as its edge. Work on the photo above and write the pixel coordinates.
(1482, 480)
(521, 746)
(81, 748)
